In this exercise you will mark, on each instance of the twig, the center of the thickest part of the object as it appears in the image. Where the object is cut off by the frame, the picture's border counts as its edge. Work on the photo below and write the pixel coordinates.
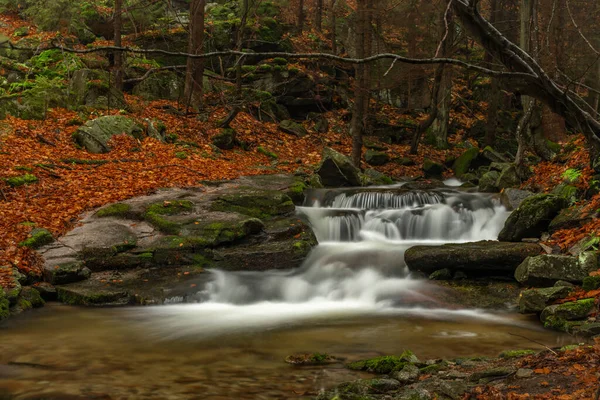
(531, 340)
(3, 195)
(437, 51)
(49, 170)
(45, 141)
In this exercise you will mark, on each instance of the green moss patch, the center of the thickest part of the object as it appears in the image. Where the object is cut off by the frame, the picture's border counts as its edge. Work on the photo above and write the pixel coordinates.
(39, 237)
(385, 364)
(256, 203)
(155, 214)
(591, 282)
(516, 353)
(114, 210)
(21, 180)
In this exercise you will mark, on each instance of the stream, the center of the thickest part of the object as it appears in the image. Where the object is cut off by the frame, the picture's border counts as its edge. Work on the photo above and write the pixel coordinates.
(353, 298)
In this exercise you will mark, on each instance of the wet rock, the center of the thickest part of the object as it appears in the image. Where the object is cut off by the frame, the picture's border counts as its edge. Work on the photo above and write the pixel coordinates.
(432, 169)
(548, 268)
(385, 364)
(570, 311)
(374, 157)
(588, 329)
(440, 388)
(337, 170)
(46, 290)
(523, 373)
(408, 374)
(293, 128)
(512, 198)
(487, 182)
(95, 134)
(4, 306)
(532, 217)
(444, 274)
(535, 300)
(80, 296)
(29, 298)
(484, 257)
(463, 163)
(572, 217)
(372, 177)
(68, 271)
(591, 283)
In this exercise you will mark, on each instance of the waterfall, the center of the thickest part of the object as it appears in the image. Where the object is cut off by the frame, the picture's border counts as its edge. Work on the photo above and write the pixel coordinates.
(358, 266)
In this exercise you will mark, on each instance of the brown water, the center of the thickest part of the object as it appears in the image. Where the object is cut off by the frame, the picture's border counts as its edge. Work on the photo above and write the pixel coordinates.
(117, 353)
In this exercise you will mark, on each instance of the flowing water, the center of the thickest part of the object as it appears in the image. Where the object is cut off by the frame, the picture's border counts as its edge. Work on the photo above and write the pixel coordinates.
(353, 297)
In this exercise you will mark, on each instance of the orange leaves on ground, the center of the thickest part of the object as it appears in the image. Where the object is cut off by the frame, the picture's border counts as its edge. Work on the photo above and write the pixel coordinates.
(544, 371)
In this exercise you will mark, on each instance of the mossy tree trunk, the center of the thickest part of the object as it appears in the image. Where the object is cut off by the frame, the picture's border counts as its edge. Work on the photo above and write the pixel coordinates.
(193, 91)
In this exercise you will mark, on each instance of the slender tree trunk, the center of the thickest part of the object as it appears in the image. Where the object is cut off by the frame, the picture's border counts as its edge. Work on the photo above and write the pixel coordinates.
(439, 128)
(333, 26)
(368, 45)
(238, 46)
(193, 91)
(523, 139)
(495, 92)
(357, 123)
(300, 16)
(433, 110)
(319, 16)
(118, 64)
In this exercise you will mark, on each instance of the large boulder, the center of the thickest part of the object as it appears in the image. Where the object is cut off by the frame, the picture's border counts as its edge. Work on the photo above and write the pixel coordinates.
(374, 157)
(547, 269)
(95, 134)
(535, 300)
(432, 169)
(293, 128)
(508, 178)
(337, 170)
(463, 163)
(479, 258)
(532, 217)
(487, 182)
(559, 316)
(512, 198)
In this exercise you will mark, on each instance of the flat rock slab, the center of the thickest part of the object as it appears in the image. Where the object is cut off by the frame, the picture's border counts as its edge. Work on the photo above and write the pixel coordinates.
(482, 258)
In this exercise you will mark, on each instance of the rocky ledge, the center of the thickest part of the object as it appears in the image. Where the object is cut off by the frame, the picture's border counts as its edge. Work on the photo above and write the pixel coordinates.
(149, 249)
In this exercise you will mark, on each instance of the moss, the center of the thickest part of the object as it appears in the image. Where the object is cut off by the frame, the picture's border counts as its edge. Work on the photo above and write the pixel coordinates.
(265, 68)
(249, 68)
(569, 347)
(385, 364)
(87, 298)
(17, 181)
(4, 306)
(146, 256)
(38, 238)
(516, 353)
(32, 297)
(267, 153)
(553, 146)
(578, 308)
(114, 210)
(434, 368)
(22, 168)
(463, 163)
(182, 155)
(591, 282)
(301, 248)
(155, 214)
(280, 61)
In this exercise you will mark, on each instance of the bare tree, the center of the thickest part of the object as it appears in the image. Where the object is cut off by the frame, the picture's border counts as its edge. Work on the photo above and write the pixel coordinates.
(193, 91)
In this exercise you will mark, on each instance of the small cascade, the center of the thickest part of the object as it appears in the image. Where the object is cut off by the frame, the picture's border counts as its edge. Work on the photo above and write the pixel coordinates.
(358, 267)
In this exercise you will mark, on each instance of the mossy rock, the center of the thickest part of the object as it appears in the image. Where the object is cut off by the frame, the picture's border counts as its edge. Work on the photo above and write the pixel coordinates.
(374, 177)
(156, 214)
(432, 169)
(255, 203)
(226, 140)
(30, 298)
(119, 210)
(508, 178)
(572, 217)
(4, 306)
(385, 364)
(532, 217)
(95, 134)
(591, 282)
(91, 297)
(67, 272)
(463, 163)
(293, 128)
(488, 182)
(535, 300)
(26, 179)
(37, 238)
(374, 157)
(337, 170)
(516, 353)
(547, 269)
(571, 311)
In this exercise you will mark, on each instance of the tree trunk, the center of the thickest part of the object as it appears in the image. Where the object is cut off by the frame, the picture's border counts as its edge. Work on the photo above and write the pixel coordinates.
(300, 16)
(433, 110)
(491, 125)
(193, 91)
(333, 23)
(368, 45)
(319, 16)
(118, 62)
(439, 128)
(238, 46)
(357, 123)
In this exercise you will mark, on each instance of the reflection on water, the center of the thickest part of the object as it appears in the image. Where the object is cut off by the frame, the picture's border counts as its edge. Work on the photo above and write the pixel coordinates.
(126, 353)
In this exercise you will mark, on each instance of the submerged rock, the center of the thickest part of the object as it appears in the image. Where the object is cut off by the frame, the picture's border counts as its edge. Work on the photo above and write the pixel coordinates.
(481, 258)
(532, 217)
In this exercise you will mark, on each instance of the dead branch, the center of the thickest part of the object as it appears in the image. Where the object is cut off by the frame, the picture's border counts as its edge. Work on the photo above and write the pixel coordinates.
(533, 341)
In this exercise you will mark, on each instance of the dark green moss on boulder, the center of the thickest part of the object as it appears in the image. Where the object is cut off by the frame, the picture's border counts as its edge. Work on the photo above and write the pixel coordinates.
(4, 306)
(157, 213)
(591, 282)
(570, 311)
(516, 353)
(535, 300)
(463, 163)
(30, 298)
(532, 217)
(374, 157)
(121, 210)
(385, 364)
(67, 272)
(255, 203)
(37, 238)
(431, 169)
(226, 140)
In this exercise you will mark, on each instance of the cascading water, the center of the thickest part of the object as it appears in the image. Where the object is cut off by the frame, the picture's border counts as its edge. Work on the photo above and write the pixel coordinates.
(358, 267)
